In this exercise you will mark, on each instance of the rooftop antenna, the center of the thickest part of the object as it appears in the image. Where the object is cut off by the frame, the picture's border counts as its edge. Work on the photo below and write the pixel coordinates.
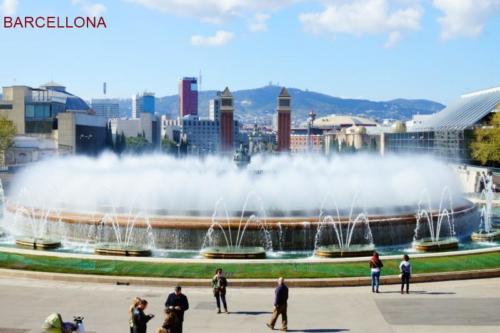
(199, 81)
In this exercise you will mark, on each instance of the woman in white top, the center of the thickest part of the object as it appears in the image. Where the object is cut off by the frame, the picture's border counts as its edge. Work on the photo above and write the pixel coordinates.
(405, 270)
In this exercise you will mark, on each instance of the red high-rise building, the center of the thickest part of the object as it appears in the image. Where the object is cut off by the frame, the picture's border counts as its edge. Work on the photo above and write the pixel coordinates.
(284, 121)
(226, 121)
(188, 97)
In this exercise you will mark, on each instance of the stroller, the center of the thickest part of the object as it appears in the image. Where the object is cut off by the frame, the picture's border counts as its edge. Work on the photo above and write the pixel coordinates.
(55, 324)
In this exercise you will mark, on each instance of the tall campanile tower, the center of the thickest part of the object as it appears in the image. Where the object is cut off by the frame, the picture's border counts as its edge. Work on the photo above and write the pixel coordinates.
(226, 121)
(284, 120)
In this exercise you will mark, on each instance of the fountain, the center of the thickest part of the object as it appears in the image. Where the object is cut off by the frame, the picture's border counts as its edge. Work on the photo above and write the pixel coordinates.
(486, 232)
(2, 201)
(37, 217)
(341, 239)
(432, 240)
(235, 249)
(123, 245)
(167, 205)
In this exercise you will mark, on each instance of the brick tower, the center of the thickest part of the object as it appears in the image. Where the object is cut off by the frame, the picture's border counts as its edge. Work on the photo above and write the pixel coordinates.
(226, 121)
(284, 120)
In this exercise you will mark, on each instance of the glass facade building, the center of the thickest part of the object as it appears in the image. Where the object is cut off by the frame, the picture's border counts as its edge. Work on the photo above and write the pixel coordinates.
(447, 134)
(450, 145)
(143, 103)
(45, 103)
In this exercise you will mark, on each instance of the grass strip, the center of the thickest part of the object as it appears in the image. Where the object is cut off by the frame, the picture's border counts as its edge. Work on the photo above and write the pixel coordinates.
(263, 270)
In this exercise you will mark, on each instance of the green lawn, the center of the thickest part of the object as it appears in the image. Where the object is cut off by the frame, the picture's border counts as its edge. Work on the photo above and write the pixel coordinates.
(241, 270)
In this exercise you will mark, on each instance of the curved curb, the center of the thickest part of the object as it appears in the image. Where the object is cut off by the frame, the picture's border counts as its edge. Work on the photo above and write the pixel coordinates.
(310, 260)
(315, 283)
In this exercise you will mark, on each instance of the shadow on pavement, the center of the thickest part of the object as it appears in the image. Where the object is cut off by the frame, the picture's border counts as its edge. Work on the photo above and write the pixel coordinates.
(320, 330)
(251, 313)
(421, 292)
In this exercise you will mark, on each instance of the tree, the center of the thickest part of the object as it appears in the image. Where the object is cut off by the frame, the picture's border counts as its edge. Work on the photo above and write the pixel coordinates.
(168, 146)
(7, 132)
(138, 144)
(120, 143)
(109, 137)
(485, 147)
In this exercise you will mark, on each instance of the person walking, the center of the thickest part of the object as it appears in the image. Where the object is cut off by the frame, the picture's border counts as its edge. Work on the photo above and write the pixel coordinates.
(280, 305)
(140, 320)
(219, 285)
(135, 303)
(177, 302)
(375, 266)
(405, 270)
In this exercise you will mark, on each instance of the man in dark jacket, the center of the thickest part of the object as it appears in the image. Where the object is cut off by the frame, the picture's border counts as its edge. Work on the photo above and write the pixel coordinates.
(178, 302)
(140, 319)
(280, 305)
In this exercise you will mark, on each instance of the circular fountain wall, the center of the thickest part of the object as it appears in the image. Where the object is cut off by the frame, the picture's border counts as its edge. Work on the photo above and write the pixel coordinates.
(279, 203)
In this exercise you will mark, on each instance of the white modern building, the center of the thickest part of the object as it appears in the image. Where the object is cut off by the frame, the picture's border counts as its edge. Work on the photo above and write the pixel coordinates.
(147, 124)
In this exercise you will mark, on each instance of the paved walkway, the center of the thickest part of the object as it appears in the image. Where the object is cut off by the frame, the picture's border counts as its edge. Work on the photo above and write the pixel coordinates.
(457, 306)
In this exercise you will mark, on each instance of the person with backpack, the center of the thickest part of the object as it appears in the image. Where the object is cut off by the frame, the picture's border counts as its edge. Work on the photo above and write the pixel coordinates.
(405, 270)
(219, 285)
(375, 267)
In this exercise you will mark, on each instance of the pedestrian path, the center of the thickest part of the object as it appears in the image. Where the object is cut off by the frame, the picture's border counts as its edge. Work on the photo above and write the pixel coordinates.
(455, 306)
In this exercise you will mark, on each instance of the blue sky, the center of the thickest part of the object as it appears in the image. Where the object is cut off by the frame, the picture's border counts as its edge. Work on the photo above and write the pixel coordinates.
(375, 49)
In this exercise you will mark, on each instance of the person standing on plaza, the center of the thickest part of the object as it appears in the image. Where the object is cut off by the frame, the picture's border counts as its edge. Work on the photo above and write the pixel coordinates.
(405, 270)
(178, 302)
(375, 266)
(280, 305)
(140, 319)
(219, 285)
(135, 303)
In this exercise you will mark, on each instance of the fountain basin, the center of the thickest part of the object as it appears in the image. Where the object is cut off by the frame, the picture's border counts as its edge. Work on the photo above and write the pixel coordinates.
(334, 251)
(293, 233)
(232, 252)
(483, 236)
(116, 249)
(38, 243)
(429, 245)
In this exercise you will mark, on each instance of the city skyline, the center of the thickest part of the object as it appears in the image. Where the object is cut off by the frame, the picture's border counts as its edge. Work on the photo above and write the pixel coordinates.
(433, 50)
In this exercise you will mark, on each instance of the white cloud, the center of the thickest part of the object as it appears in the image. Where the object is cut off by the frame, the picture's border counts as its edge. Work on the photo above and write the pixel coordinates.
(259, 22)
(365, 17)
(89, 8)
(465, 17)
(8, 7)
(220, 38)
(213, 11)
(393, 39)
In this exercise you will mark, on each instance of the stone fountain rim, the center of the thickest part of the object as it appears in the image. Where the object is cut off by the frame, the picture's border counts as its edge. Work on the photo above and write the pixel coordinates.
(312, 260)
(196, 222)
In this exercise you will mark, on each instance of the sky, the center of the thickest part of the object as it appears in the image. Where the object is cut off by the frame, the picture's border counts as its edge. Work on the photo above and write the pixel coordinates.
(373, 49)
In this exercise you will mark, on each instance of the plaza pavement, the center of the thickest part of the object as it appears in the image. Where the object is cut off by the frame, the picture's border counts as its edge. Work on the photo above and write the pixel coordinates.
(456, 306)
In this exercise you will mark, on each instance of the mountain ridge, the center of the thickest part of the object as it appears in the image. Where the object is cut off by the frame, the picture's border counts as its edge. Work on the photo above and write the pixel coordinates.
(259, 105)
